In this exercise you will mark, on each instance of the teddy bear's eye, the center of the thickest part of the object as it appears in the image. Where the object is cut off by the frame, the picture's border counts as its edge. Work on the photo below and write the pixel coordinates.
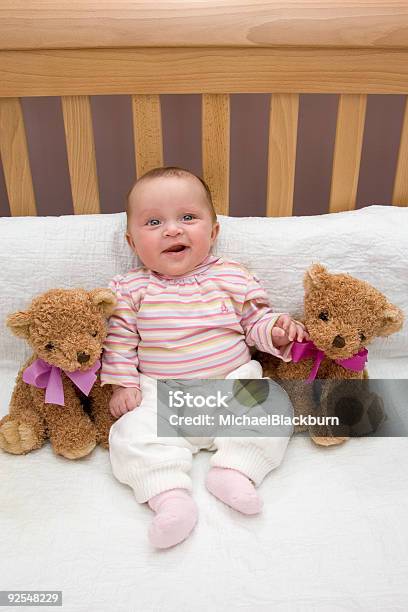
(94, 334)
(362, 336)
(49, 346)
(324, 315)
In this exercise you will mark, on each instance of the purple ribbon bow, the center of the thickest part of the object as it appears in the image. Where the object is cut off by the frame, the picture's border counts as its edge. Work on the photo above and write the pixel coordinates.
(45, 376)
(308, 350)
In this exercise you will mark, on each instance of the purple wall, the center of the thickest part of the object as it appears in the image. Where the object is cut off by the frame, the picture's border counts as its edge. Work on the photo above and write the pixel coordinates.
(181, 115)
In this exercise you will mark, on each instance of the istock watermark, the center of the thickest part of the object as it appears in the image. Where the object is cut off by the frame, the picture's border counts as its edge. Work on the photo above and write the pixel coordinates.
(179, 399)
(263, 407)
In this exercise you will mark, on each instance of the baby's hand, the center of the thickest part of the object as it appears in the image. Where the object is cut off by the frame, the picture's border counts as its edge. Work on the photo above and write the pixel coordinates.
(287, 329)
(124, 399)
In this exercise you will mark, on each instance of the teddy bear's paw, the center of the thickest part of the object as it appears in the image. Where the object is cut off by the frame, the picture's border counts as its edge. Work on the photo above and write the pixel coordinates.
(17, 438)
(329, 440)
(76, 453)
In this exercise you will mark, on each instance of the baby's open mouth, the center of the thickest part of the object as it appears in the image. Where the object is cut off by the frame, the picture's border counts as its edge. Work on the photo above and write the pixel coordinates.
(176, 248)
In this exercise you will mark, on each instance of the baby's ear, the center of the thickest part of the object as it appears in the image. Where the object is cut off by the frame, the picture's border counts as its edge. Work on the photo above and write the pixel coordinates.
(314, 276)
(391, 321)
(19, 323)
(105, 299)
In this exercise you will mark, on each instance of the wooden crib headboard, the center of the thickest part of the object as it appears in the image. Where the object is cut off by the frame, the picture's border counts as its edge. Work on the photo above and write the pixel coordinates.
(209, 47)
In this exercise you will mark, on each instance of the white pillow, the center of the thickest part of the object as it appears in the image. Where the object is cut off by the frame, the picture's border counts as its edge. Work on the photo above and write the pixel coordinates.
(38, 253)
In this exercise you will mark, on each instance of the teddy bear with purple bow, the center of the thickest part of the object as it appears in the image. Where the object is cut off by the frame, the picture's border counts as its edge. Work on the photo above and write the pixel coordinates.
(327, 375)
(57, 394)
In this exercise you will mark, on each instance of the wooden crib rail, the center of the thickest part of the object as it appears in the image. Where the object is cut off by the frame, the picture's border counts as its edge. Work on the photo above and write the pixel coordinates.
(400, 193)
(283, 120)
(14, 155)
(215, 148)
(40, 24)
(347, 151)
(81, 154)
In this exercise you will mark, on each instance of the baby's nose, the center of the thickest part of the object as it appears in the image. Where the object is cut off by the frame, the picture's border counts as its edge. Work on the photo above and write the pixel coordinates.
(172, 229)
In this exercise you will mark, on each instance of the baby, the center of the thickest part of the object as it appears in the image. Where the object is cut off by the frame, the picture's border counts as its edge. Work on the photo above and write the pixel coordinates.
(185, 314)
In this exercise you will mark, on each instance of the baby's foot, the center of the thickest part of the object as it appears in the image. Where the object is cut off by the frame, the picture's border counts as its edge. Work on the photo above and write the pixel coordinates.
(176, 515)
(234, 489)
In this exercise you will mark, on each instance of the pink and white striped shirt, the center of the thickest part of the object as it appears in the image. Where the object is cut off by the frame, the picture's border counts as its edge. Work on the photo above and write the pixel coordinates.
(200, 325)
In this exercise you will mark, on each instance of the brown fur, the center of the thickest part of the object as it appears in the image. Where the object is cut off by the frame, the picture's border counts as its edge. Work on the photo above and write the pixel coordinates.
(74, 321)
(353, 307)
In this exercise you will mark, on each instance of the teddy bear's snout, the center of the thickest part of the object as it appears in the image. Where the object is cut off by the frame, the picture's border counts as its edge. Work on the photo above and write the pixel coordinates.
(83, 357)
(339, 342)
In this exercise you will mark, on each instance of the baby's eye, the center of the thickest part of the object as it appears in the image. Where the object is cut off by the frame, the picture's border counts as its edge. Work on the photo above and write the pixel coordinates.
(324, 315)
(153, 222)
(49, 346)
(362, 337)
(188, 217)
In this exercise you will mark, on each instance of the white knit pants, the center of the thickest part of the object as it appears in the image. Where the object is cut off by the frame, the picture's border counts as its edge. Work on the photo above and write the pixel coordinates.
(151, 464)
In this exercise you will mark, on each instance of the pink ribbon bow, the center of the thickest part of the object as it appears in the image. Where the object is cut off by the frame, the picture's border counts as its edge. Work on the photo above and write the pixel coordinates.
(45, 376)
(308, 350)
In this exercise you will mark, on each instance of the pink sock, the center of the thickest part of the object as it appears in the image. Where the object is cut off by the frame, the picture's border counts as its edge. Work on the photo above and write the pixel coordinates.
(176, 515)
(234, 489)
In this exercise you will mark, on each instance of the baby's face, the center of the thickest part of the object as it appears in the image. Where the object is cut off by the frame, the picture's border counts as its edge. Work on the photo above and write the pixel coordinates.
(170, 226)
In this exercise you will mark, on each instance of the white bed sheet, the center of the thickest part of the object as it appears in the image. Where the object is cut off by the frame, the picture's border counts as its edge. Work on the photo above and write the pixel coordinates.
(333, 534)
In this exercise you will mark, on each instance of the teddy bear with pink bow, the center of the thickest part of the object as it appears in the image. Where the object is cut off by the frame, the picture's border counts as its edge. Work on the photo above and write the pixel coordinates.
(57, 394)
(328, 375)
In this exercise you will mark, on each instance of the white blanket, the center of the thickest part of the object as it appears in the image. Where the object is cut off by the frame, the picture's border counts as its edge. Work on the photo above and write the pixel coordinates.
(333, 535)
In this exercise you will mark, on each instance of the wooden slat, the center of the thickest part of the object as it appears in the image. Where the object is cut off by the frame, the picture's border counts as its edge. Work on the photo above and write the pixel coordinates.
(195, 70)
(14, 155)
(347, 152)
(81, 154)
(216, 148)
(283, 121)
(400, 194)
(147, 129)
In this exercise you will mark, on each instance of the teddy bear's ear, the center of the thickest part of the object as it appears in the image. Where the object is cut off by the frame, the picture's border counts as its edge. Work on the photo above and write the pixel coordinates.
(19, 323)
(105, 299)
(392, 320)
(314, 276)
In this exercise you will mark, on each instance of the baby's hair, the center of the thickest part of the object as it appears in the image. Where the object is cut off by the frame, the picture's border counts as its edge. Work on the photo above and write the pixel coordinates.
(173, 171)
